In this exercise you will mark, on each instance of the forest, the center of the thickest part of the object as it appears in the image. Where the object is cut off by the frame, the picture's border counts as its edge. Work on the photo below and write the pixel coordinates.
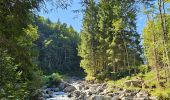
(109, 59)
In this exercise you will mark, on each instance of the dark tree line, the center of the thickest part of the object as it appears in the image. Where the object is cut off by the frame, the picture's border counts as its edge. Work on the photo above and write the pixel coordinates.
(57, 45)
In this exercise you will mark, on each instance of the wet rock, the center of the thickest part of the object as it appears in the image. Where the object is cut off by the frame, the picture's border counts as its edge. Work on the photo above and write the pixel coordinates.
(46, 95)
(50, 96)
(49, 91)
(56, 89)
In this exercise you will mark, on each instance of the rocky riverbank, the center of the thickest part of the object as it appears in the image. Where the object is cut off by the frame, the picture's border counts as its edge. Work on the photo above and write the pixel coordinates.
(82, 90)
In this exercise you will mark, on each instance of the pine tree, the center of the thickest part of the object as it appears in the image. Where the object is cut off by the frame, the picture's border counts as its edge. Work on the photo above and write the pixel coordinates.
(88, 45)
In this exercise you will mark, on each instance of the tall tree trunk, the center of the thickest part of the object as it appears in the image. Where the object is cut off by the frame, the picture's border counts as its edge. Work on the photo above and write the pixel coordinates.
(164, 35)
(166, 40)
(155, 53)
(127, 54)
(154, 49)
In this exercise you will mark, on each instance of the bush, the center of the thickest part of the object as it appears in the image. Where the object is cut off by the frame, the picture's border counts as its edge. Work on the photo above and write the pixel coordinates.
(12, 84)
(128, 78)
(102, 76)
(162, 94)
(90, 78)
(143, 69)
(141, 75)
(54, 79)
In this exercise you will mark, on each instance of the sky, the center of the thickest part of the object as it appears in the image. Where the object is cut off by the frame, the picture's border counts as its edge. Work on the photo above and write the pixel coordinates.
(75, 19)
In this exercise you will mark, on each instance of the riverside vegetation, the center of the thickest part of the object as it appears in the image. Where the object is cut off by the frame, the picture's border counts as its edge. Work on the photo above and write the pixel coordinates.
(107, 60)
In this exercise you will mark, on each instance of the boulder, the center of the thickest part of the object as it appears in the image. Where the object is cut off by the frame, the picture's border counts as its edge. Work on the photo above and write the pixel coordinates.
(49, 91)
(89, 93)
(105, 91)
(153, 98)
(56, 89)
(46, 95)
(125, 95)
(79, 87)
(41, 98)
(93, 89)
(115, 97)
(82, 96)
(127, 98)
(142, 98)
(100, 89)
(69, 89)
(134, 83)
(69, 95)
(63, 85)
(86, 87)
(142, 94)
(100, 97)
(76, 93)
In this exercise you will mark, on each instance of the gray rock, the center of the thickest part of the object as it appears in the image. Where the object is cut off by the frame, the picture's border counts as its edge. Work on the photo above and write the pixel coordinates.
(77, 93)
(69, 89)
(93, 90)
(104, 92)
(69, 95)
(82, 96)
(134, 83)
(153, 98)
(46, 95)
(100, 97)
(115, 97)
(127, 98)
(110, 94)
(86, 87)
(49, 92)
(63, 85)
(142, 94)
(41, 98)
(89, 93)
(99, 89)
(56, 89)
(142, 98)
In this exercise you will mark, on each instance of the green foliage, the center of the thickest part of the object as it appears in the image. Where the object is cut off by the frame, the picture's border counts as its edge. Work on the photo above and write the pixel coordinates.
(52, 80)
(143, 69)
(57, 46)
(55, 77)
(156, 39)
(90, 78)
(109, 41)
(17, 53)
(9, 75)
(162, 94)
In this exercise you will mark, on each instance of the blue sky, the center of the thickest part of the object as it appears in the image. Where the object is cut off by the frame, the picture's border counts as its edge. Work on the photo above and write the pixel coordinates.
(75, 20)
